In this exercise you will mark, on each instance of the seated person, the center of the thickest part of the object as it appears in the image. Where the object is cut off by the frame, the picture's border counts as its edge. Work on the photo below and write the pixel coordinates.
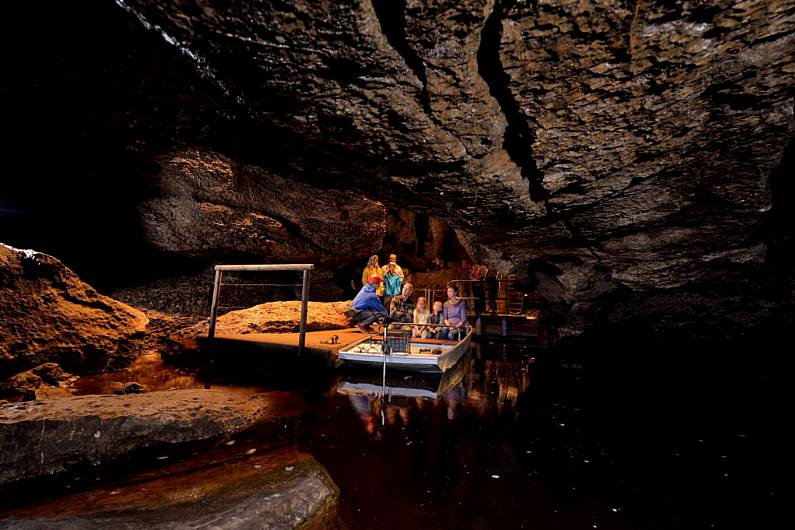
(367, 306)
(455, 316)
(435, 322)
(401, 308)
(421, 315)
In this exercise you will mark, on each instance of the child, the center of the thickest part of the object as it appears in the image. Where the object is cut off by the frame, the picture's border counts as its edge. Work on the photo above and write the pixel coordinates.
(435, 322)
(421, 315)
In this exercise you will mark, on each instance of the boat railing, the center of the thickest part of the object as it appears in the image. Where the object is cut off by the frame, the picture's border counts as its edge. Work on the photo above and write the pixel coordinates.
(398, 338)
(482, 296)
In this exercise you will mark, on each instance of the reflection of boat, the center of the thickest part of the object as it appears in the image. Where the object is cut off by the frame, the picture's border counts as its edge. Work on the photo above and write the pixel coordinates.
(404, 352)
(369, 383)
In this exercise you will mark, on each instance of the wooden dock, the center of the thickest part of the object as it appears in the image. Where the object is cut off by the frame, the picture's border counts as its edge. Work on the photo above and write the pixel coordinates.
(511, 327)
(318, 344)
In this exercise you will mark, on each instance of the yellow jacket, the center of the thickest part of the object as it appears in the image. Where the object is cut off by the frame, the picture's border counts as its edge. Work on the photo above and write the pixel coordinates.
(374, 271)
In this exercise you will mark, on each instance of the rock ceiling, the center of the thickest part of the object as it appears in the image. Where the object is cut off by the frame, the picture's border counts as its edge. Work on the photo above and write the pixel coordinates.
(606, 145)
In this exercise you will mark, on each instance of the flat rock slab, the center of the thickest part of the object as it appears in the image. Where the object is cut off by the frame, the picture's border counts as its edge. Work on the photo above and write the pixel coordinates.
(280, 488)
(47, 437)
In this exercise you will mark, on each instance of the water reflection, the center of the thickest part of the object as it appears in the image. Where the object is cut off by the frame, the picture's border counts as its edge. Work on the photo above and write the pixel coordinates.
(495, 384)
(149, 370)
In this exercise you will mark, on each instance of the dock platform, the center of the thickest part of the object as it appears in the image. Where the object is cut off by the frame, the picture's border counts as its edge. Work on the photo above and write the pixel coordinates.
(318, 344)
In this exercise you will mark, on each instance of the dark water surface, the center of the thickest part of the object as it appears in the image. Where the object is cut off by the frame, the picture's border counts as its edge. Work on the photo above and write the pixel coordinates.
(527, 439)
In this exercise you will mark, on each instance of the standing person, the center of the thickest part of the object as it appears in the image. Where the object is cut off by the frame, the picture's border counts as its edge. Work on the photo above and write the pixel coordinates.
(402, 306)
(392, 283)
(477, 276)
(421, 315)
(367, 305)
(373, 269)
(435, 322)
(393, 259)
(455, 316)
(463, 271)
(463, 284)
(492, 281)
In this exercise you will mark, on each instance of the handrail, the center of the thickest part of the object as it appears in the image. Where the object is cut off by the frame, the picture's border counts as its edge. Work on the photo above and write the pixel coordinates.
(263, 267)
(306, 268)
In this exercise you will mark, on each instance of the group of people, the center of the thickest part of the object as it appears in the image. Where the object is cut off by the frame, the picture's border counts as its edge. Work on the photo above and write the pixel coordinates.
(480, 283)
(385, 287)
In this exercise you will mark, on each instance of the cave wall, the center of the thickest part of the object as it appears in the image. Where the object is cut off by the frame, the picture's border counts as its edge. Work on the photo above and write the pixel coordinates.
(618, 154)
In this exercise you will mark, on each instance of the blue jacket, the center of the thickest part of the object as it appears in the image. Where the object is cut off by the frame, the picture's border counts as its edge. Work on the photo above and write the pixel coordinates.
(391, 284)
(367, 299)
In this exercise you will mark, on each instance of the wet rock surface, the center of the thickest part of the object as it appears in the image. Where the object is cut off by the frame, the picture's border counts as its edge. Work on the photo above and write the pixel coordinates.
(47, 437)
(46, 381)
(50, 315)
(277, 488)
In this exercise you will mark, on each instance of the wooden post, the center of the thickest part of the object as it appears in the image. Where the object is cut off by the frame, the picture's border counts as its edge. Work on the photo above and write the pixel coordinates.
(304, 304)
(214, 303)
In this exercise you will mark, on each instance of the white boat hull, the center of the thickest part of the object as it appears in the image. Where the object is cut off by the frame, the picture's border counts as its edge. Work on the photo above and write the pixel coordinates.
(367, 351)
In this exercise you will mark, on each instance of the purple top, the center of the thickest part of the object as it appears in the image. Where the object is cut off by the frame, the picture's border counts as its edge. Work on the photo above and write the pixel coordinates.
(455, 313)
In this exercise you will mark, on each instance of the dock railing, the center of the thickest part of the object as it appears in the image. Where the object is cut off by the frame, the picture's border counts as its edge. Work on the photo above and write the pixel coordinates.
(305, 268)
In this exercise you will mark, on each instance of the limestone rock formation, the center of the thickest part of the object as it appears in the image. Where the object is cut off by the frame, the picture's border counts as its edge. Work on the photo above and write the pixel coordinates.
(607, 149)
(208, 205)
(46, 381)
(280, 317)
(50, 315)
(277, 489)
(634, 140)
(81, 431)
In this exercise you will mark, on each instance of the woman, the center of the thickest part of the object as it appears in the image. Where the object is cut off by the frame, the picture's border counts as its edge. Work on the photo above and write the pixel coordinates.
(372, 269)
(421, 315)
(455, 316)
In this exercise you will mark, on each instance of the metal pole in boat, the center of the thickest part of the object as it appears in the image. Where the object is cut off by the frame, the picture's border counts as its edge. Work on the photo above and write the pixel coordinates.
(304, 304)
(385, 345)
(214, 303)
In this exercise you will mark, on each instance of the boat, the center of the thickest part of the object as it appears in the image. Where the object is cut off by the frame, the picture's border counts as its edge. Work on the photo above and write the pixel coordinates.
(428, 386)
(398, 350)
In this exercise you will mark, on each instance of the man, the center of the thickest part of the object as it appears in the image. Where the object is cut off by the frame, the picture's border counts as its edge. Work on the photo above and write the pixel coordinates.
(367, 305)
(398, 270)
(402, 306)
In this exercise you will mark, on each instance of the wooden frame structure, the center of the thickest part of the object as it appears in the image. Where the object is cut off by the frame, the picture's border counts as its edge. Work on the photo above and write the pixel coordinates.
(306, 268)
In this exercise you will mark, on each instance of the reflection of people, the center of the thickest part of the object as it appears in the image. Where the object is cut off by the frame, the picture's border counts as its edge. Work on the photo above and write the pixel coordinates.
(372, 269)
(367, 305)
(455, 316)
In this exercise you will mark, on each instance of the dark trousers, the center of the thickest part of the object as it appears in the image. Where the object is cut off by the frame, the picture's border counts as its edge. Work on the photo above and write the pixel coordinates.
(451, 333)
(367, 317)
